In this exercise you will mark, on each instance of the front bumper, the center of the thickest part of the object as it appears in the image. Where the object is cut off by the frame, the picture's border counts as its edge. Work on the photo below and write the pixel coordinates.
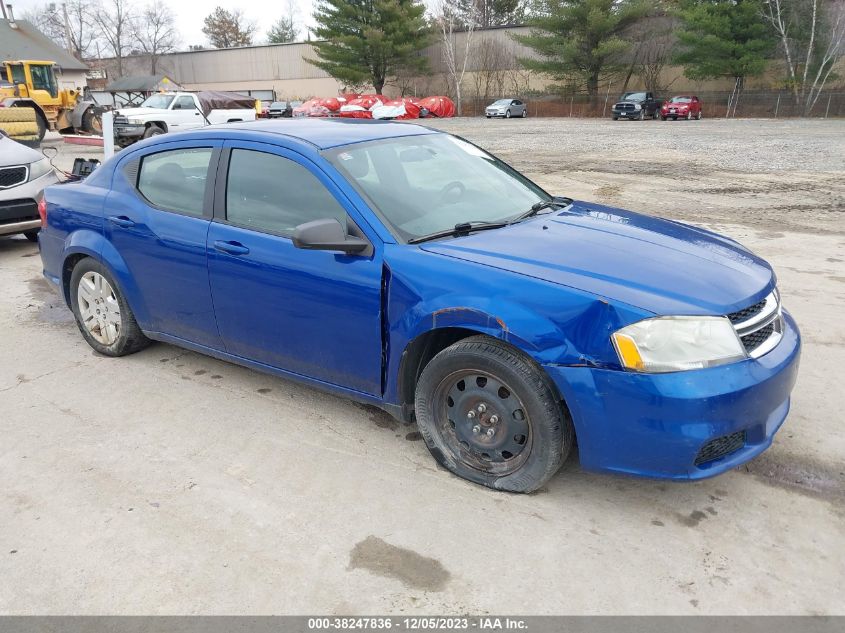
(492, 113)
(129, 131)
(627, 114)
(19, 205)
(656, 425)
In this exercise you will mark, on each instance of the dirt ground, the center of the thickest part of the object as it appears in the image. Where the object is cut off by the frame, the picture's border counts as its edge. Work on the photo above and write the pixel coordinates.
(168, 482)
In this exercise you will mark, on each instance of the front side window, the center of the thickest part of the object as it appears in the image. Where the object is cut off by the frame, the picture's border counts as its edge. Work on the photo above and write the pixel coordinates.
(185, 103)
(273, 194)
(44, 79)
(175, 180)
(160, 102)
(428, 183)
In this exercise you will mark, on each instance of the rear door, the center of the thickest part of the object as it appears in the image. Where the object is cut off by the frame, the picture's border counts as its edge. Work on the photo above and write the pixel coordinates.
(314, 313)
(157, 218)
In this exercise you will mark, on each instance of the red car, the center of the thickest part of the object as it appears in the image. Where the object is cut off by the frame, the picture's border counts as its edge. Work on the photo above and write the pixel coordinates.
(681, 107)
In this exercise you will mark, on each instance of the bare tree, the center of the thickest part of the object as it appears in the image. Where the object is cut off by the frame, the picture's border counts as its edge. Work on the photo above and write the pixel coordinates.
(116, 19)
(155, 33)
(652, 57)
(491, 61)
(450, 18)
(812, 40)
(70, 25)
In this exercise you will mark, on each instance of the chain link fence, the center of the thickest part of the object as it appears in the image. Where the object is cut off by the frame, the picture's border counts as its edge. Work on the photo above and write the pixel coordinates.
(751, 104)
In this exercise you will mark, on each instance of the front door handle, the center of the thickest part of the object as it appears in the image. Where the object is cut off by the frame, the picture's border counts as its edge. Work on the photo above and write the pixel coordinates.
(121, 220)
(233, 248)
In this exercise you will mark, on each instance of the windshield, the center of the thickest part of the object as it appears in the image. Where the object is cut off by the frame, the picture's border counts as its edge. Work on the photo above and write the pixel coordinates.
(428, 183)
(278, 104)
(162, 102)
(680, 100)
(634, 96)
(502, 102)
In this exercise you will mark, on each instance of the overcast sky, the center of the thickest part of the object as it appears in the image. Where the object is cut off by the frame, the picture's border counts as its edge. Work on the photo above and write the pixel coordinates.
(190, 14)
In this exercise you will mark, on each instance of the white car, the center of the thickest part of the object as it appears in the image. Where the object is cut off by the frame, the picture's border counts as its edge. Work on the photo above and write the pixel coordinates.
(24, 173)
(180, 111)
(506, 108)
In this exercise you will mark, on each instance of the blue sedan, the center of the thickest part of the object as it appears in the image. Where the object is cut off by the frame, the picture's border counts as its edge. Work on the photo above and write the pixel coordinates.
(410, 269)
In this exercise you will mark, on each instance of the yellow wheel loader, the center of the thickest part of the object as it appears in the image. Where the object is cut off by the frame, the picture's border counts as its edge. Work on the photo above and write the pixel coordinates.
(31, 86)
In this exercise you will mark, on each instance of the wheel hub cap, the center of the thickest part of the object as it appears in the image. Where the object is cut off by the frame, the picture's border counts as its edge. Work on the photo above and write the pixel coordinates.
(98, 308)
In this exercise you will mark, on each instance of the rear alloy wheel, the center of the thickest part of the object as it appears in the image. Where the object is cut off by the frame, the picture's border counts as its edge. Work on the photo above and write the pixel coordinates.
(524, 112)
(490, 415)
(101, 312)
(507, 114)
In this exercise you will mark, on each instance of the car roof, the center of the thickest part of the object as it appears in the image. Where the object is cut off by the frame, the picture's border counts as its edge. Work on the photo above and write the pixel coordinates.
(325, 133)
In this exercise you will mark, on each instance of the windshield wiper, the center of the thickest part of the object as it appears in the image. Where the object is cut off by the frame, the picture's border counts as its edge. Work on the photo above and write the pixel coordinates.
(461, 228)
(539, 206)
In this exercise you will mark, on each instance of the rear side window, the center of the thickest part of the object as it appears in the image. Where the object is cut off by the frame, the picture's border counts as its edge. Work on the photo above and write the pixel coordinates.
(175, 180)
(272, 194)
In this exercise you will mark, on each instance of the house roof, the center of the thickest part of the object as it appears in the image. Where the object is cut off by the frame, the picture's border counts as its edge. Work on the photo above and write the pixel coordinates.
(27, 42)
(142, 83)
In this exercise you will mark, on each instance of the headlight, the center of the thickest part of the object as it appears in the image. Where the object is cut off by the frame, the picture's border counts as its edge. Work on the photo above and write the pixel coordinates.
(637, 106)
(135, 121)
(665, 344)
(39, 168)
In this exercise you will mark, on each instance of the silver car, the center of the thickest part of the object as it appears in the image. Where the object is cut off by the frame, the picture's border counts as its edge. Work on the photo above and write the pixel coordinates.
(506, 108)
(24, 173)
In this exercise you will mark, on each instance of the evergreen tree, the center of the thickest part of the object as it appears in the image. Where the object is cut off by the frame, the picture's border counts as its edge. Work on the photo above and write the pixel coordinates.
(723, 38)
(368, 41)
(577, 40)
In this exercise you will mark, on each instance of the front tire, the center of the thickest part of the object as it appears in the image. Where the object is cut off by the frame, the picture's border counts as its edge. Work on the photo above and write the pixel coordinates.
(508, 114)
(489, 414)
(152, 130)
(101, 312)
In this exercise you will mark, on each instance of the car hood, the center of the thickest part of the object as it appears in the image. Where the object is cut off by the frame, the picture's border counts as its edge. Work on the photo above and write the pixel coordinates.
(14, 153)
(137, 112)
(661, 266)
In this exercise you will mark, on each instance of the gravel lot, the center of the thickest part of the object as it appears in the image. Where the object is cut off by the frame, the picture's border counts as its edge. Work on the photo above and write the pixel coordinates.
(168, 482)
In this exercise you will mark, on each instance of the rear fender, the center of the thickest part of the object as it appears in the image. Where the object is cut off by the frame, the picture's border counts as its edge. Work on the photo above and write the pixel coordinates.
(97, 246)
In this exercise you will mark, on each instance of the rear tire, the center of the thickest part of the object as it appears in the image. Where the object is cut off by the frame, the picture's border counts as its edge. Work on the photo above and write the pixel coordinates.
(521, 435)
(32, 236)
(525, 113)
(101, 312)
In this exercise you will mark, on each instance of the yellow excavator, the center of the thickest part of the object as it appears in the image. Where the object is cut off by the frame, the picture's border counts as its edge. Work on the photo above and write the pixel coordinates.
(31, 103)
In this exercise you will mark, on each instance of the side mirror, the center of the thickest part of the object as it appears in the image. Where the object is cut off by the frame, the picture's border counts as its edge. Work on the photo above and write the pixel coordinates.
(327, 235)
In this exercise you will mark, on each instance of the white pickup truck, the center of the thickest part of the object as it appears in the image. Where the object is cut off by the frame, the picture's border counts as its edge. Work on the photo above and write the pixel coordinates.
(180, 111)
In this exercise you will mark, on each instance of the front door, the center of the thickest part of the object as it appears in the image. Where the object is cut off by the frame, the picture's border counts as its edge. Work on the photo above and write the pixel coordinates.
(184, 114)
(314, 313)
(157, 217)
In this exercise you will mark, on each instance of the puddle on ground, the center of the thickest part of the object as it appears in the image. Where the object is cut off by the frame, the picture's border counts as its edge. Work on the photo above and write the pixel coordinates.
(50, 308)
(407, 566)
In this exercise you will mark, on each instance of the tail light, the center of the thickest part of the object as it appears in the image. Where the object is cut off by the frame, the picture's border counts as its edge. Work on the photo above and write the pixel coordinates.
(42, 211)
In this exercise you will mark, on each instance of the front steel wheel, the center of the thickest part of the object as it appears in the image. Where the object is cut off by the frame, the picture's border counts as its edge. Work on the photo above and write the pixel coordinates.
(483, 422)
(490, 414)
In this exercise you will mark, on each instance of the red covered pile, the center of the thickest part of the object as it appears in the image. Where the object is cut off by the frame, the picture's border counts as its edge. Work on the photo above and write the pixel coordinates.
(372, 106)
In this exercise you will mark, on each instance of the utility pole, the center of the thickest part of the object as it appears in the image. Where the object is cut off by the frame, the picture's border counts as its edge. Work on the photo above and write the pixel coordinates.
(67, 30)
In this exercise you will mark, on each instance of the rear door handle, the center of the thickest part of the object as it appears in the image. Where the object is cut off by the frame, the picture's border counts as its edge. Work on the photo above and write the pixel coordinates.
(233, 248)
(121, 220)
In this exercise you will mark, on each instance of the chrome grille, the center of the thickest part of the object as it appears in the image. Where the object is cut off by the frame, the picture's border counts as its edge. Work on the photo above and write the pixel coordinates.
(759, 326)
(13, 176)
(624, 106)
(121, 120)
